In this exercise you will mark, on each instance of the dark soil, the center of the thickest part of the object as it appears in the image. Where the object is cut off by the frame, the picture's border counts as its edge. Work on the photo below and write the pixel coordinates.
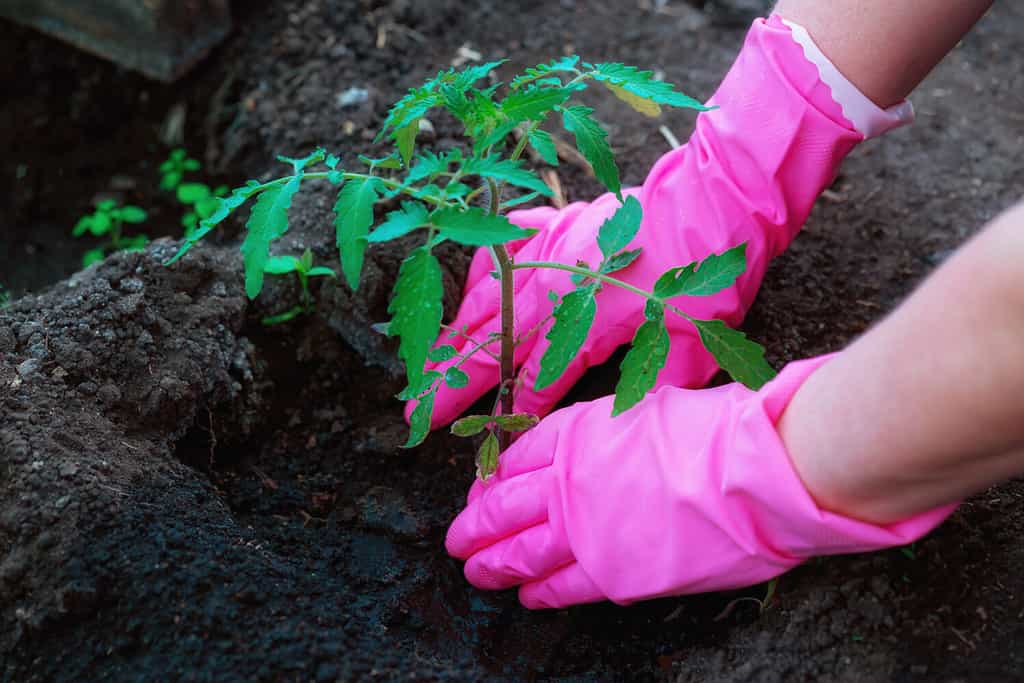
(185, 494)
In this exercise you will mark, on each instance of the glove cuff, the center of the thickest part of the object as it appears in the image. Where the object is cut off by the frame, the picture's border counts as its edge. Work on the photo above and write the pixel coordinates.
(868, 118)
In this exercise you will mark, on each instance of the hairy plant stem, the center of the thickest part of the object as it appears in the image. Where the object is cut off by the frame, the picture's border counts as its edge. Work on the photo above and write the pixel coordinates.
(551, 265)
(503, 261)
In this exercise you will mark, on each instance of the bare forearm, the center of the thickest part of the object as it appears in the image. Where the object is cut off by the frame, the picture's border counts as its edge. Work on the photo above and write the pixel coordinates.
(885, 47)
(925, 408)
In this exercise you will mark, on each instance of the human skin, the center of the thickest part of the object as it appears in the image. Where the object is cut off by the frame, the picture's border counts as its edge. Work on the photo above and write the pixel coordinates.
(925, 408)
(885, 48)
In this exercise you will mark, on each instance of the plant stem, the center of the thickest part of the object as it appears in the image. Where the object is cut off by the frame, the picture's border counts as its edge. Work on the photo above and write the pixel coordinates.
(508, 342)
(393, 184)
(603, 278)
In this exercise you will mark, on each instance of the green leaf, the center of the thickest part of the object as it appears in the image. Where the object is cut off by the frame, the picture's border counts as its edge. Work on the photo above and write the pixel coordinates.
(742, 358)
(425, 383)
(455, 378)
(92, 256)
(519, 422)
(306, 260)
(541, 70)
(267, 221)
(224, 209)
(542, 141)
(620, 261)
(416, 310)
(471, 425)
(409, 109)
(412, 215)
(205, 208)
(462, 80)
(130, 214)
(429, 164)
(487, 457)
(419, 421)
(106, 205)
(298, 165)
(321, 271)
(592, 142)
(290, 314)
(640, 367)
(405, 139)
(100, 224)
(643, 85)
(190, 193)
(522, 199)
(531, 104)
(475, 227)
(573, 318)
(331, 161)
(620, 229)
(391, 161)
(191, 165)
(134, 243)
(282, 265)
(170, 180)
(442, 353)
(506, 170)
(83, 226)
(710, 276)
(354, 215)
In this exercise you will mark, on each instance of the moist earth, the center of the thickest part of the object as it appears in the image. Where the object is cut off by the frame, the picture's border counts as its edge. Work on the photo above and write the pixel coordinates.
(188, 494)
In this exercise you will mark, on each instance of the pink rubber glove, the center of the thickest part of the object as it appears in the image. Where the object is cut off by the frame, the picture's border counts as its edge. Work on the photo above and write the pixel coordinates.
(750, 173)
(688, 492)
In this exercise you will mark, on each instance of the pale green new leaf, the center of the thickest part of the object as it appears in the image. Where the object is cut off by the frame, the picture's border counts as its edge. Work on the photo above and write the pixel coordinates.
(475, 227)
(282, 265)
(506, 170)
(643, 84)
(640, 367)
(411, 216)
(267, 222)
(620, 229)
(592, 142)
(416, 310)
(487, 457)
(710, 276)
(542, 142)
(419, 420)
(573, 318)
(742, 358)
(353, 217)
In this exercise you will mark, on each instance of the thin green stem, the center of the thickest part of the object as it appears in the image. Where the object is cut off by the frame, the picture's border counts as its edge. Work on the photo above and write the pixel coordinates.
(393, 184)
(603, 278)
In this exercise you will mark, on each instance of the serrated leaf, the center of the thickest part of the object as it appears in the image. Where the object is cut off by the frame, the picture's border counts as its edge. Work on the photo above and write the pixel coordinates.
(487, 457)
(519, 422)
(429, 164)
(592, 142)
(224, 209)
(354, 215)
(416, 310)
(506, 170)
(442, 353)
(643, 85)
(267, 222)
(620, 229)
(409, 109)
(419, 421)
(299, 164)
(456, 378)
(710, 276)
(542, 142)
(390, 162)
(411, 216)
(742, 358)
(619, 261)
(573, 318)
(532, 104)
(332, 161)
(471, 425)
(475, 227)
(412, 391)
(405, 139)
(639, 104)
(640, 367)
(541, 70)
(461, 80)
(282, 265)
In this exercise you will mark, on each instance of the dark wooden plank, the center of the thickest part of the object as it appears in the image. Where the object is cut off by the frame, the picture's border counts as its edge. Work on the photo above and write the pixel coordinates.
(160, 38)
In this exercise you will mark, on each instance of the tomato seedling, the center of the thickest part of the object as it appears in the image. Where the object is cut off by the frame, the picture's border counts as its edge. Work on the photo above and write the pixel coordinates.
(304, 270)
(108, 221)
(459, 196)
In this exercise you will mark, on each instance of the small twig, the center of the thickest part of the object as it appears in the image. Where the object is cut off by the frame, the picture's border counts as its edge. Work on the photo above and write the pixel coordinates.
(480, 346)
(551, 179)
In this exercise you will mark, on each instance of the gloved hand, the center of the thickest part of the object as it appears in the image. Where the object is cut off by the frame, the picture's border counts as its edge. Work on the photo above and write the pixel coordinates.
(689, 491)
(749, 173)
